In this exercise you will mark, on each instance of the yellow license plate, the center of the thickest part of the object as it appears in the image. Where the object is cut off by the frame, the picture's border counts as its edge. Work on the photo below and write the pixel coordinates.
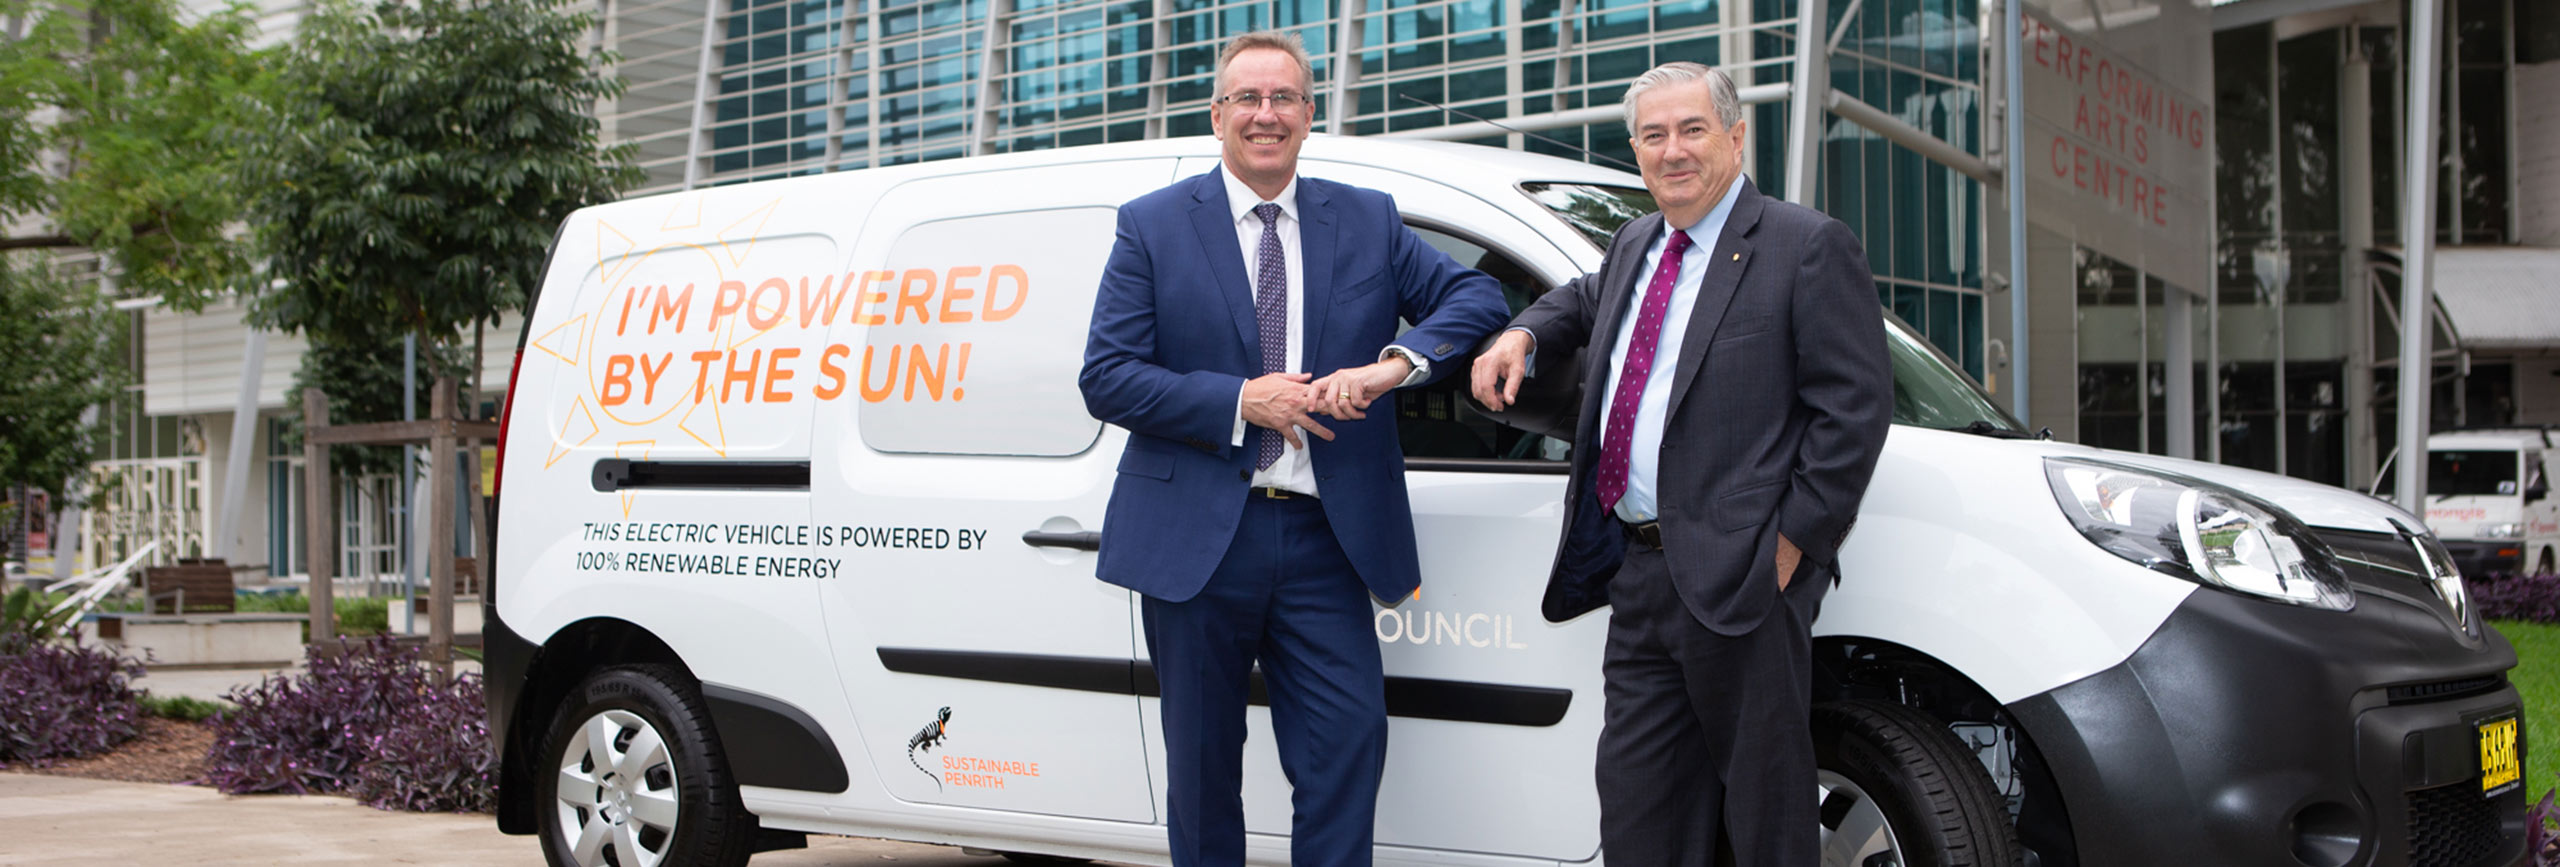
(2501, 768)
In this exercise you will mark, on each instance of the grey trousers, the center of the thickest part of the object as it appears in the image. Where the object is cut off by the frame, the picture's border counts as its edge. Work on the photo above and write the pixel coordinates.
(1706, 742)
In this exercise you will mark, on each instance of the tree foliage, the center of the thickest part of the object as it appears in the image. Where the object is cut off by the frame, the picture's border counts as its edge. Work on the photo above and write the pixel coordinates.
(424, 154)
(61, 359)
(144, 112)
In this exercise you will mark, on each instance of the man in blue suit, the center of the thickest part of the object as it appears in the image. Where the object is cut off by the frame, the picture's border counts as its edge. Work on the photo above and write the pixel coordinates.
(1256, 533)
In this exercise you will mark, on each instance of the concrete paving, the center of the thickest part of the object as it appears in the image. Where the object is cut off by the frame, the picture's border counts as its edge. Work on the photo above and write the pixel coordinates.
(60, 820)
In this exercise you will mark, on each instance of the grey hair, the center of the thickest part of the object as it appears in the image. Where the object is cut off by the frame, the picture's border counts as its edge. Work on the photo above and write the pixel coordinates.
(1278, 40)
(1720, 90)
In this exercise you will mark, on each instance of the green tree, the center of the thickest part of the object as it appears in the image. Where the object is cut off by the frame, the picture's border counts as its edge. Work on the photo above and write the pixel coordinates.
(62, 359)
(427, 151)
(139, 112)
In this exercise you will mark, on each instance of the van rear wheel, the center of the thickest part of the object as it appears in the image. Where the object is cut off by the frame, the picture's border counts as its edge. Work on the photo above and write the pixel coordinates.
(1898, 790)
(636, 778)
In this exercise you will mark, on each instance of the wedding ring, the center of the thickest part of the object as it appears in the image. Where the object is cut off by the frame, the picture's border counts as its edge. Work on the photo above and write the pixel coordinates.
(1346, 395)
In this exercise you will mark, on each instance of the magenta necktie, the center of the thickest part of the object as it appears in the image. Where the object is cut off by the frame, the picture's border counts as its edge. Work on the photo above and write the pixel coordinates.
(1271, 314)
(1638, 367)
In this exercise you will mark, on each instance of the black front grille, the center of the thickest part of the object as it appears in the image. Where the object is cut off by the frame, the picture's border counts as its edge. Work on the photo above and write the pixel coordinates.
(2380, 558)
(2443, 690)
(2451, 826)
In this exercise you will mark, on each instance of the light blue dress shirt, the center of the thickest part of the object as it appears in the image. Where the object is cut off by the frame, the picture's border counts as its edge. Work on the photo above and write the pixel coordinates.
(1644, 452)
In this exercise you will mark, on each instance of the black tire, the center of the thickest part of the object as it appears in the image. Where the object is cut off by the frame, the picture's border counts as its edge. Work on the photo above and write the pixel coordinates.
(2543, 567)
(1938, 806)
(625, 707)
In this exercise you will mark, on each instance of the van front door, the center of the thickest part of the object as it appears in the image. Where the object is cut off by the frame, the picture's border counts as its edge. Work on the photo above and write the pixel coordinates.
(958, 473)
(1494, 713)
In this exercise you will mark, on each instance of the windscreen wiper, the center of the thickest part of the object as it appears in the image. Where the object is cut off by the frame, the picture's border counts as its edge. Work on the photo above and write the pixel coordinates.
(1980, 427)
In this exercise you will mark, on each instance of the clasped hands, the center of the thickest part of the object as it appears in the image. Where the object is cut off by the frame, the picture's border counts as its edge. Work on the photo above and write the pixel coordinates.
(1287, 402)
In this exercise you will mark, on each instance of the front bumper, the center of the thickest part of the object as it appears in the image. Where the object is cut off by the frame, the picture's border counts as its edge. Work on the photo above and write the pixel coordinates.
(2253, 732)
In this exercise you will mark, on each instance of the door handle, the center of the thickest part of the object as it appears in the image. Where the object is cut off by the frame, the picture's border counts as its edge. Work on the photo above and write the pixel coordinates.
(1087, 540)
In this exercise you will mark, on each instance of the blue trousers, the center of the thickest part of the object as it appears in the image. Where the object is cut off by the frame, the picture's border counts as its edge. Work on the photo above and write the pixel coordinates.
(1287, 598)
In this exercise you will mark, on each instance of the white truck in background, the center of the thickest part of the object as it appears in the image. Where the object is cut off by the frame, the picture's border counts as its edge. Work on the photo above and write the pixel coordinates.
(2489, 499)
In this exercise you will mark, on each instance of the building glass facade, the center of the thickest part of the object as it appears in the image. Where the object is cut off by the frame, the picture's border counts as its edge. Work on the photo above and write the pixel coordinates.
(807, 86)
(1920, 60)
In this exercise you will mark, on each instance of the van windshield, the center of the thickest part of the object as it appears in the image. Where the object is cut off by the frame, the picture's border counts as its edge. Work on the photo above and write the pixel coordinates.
(1595, 211)
(2467, 473)
(1927, 390)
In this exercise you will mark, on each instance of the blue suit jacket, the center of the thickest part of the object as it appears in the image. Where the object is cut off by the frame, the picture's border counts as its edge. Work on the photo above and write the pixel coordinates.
(1174, 341)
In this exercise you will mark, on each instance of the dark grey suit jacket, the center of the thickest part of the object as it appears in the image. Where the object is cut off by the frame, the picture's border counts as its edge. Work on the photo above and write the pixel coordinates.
(1779, 405)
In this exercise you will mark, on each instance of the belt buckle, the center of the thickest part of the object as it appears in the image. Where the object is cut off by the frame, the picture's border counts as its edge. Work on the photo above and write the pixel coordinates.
(1270, 492)
(1649, 532)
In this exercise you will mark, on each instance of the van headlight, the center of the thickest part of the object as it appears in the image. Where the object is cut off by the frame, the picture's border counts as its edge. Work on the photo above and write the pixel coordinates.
(2199, 531)
(2509, 530)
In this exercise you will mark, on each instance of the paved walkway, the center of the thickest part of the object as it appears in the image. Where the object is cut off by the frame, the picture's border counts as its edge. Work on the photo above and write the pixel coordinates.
(60, 820)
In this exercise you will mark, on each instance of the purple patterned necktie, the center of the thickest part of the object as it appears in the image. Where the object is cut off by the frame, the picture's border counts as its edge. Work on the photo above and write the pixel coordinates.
(1271, 313)
(1632, 374)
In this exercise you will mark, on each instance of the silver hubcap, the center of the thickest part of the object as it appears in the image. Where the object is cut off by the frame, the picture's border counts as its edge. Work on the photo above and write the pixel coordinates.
(617, 792)
(1860, 837)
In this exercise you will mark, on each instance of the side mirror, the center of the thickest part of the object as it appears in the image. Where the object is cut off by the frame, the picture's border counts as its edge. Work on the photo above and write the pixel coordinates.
(2538, 490)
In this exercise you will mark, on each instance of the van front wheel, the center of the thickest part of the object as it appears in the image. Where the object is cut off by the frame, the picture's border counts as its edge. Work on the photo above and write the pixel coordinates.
(636, 779)
(1898, 789)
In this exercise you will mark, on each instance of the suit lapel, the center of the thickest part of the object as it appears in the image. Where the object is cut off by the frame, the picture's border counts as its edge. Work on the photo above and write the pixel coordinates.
(1214, 220)
(1725, 266)
(1316, 239)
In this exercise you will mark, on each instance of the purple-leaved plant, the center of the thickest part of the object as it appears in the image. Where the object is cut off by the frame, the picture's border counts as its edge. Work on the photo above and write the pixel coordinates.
(2541, 837)
(59, 702)
(375, 703)
(2501, 596)
(436, 757)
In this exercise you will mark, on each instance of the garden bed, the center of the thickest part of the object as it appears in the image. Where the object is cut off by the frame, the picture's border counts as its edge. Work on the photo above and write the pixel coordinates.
(167, 751)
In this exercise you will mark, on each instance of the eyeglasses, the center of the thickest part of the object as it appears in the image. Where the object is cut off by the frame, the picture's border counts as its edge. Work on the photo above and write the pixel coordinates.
(1283, 101)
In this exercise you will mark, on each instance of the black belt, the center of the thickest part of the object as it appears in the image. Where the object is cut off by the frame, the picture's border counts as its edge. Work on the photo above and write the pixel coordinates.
(1649, 533)
(1268, 492)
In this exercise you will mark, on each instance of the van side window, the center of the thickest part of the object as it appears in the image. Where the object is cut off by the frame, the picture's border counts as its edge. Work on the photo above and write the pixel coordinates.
(1438, 421)
(970, 351)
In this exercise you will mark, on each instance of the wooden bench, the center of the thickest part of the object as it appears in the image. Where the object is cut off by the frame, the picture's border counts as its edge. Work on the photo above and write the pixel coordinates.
(466, 578)
(192, 586)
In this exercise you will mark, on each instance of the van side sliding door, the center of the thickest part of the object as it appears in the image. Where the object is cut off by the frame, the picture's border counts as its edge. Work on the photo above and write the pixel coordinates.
(958, 474)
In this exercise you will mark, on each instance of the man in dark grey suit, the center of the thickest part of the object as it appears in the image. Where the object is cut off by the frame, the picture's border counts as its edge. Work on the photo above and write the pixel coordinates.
(1720, 456)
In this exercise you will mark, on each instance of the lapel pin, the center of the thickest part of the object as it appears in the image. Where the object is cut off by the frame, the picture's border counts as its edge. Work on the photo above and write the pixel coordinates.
(1737, 257)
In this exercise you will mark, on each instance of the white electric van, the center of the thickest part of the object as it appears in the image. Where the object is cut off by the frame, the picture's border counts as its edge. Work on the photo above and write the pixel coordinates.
(2489, 500)
(798, 505)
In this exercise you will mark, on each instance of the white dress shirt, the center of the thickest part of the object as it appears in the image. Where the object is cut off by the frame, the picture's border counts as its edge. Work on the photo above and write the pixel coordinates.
(1292, 472)
(1644, 445)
